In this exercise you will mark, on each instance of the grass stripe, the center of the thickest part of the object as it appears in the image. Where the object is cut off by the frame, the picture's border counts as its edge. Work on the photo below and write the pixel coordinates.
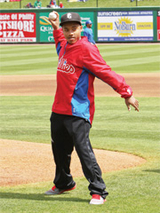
(27, 54)
(32, 71)
(39, 60)
(9, 48)
(139, 68)
(130, 52)
(127, 46)
(132, 61)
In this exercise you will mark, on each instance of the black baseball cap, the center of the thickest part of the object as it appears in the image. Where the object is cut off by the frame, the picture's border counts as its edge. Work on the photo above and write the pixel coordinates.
(68, 17)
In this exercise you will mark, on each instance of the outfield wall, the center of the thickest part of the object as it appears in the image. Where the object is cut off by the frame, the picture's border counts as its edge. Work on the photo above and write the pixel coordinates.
(136, 24)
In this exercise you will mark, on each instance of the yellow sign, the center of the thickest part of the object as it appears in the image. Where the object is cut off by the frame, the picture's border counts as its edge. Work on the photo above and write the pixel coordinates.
(124, 27)
(144, 25)
(105, 26)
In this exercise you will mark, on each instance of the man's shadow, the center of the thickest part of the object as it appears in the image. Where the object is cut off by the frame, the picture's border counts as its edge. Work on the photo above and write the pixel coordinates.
(41, 197)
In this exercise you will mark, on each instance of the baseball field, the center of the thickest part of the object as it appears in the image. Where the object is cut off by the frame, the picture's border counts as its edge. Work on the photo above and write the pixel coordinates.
(126, 144)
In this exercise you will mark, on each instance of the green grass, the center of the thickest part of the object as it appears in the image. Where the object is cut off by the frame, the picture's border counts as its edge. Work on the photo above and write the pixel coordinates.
(107, 126)
(17, 123)
(131, 191)
(34, 59)
(89, 3)
(42, 59)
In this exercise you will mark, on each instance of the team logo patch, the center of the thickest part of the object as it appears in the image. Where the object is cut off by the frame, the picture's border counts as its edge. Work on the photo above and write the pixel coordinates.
(64, 67)
(69, 15)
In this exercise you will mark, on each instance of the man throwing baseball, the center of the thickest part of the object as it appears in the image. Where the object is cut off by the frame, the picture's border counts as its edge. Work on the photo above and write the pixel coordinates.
(73, 108)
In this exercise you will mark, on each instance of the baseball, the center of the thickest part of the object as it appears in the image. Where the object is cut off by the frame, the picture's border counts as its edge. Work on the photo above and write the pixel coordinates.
(52, 16)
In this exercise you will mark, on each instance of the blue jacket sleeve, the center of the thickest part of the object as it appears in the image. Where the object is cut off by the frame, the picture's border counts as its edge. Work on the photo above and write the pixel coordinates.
(59, 39)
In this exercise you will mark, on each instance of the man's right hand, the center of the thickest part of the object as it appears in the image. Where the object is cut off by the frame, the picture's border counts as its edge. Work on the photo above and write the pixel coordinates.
(55, 23)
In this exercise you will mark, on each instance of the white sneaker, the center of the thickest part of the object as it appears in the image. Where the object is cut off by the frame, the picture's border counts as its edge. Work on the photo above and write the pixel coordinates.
(97, 200)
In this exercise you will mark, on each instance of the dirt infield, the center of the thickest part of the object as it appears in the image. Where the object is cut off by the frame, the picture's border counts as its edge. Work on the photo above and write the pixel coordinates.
(24, 162)
(143, 85)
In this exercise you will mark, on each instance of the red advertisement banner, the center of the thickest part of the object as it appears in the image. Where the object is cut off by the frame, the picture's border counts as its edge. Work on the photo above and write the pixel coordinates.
(158, 28)
(14, 0)
(17, 27)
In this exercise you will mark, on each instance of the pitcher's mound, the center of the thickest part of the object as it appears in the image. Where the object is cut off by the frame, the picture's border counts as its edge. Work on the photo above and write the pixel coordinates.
(26, 162)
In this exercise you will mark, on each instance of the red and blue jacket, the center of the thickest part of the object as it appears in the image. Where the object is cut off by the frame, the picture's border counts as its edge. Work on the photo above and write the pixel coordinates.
(78, 65)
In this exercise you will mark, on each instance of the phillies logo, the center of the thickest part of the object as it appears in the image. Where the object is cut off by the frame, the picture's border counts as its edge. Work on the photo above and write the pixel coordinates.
(69, 15)
(64, 67)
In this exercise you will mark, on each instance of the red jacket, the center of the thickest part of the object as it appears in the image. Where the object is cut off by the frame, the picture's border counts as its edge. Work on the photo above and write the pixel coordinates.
(78, 65)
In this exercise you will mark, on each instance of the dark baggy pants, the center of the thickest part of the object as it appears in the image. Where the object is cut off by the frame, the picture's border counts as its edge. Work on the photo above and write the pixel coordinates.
(67, 132)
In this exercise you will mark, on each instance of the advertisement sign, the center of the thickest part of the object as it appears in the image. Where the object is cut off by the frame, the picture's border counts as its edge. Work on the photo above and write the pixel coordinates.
(46, 30)
(125, 26)
(8, 0)
(158, 26)
(1, 1)
(77, 0)
(17, 27)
